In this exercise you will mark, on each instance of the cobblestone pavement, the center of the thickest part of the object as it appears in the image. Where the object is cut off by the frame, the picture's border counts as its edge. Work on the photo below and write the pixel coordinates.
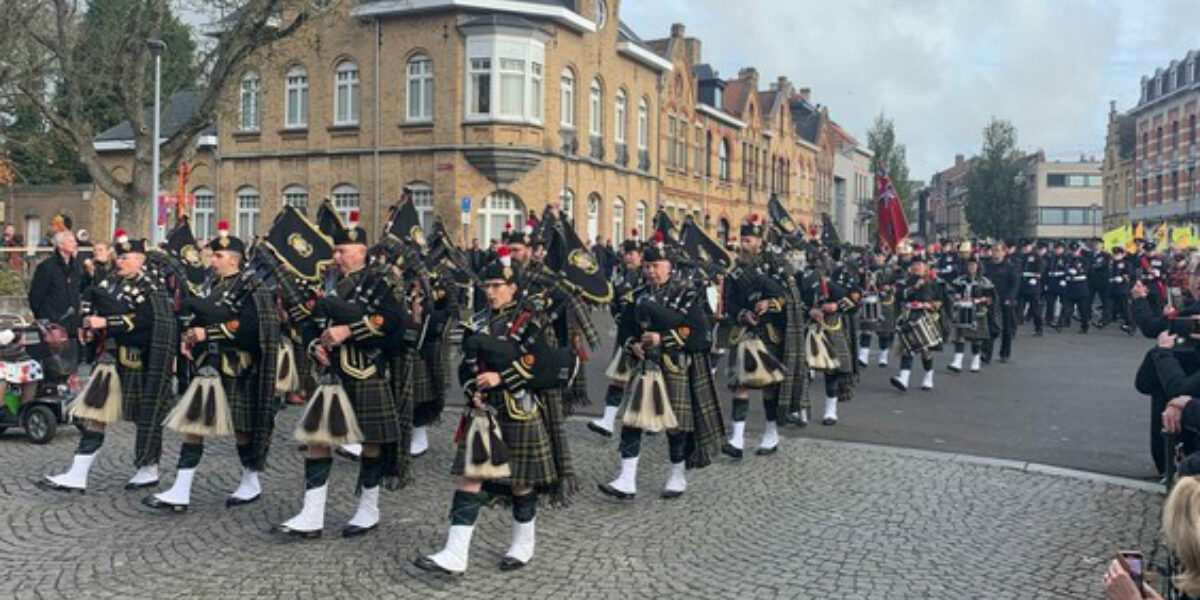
(818, 519)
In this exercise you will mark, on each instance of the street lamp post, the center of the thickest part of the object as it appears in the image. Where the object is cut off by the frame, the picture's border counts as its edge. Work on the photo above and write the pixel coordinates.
(1095, 208)
(157, 47)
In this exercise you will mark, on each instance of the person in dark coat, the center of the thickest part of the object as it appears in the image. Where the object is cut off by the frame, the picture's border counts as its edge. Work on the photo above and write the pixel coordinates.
(54, 292)
(1007, 280)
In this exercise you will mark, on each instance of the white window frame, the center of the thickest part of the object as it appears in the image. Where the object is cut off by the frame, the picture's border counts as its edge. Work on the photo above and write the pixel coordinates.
(249, 207)
(295, 109)
(346, 81)
(618, 220)
(296, 196)
(498, 209)
(596, 109)
(494, 57)
(643, 125)
(640, 220)
(723, 159)
(249, 102)
(422, 198)
(419, 89)
(566, 99)
(568, 203)
(620, 117)
(346, 198)
(204, 213)
(593, 217)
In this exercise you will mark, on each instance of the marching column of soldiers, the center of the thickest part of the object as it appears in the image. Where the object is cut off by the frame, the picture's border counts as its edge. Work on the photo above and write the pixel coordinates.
(366, 334)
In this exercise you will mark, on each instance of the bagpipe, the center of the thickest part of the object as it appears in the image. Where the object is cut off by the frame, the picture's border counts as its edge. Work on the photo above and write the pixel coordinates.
(100, 399)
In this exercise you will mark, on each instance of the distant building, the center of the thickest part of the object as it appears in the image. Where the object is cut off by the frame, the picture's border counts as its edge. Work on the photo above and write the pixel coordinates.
(1064, 198)
(1118, 168)
(947, 201)
(853, 182)
(1167, 151)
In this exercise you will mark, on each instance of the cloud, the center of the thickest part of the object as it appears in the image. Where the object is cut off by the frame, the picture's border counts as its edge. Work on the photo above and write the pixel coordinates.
(941, 69)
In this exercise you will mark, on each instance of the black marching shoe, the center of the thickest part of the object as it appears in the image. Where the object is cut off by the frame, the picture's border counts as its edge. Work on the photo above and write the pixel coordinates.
(671, 494)
(296, 533)
(355, 531)
(597, 429)
(609, 490)
(141, 486)
(732, 452)
(51, 486)
(766, 451)
(231, 502)
(428, 565)
(509, 563)
(158, 504)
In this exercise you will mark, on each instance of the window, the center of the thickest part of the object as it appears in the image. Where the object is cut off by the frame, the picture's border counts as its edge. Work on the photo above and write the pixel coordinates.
(595, 109)
(640, 222)
(708, 154)
(566, 99)
(204, 213)
(1077, 216)
(1192, 129)
(1175, 185)
(422, 197)
(516, 67)
(345, 200)
(671, 125)
(420, 88)
(499, 209)
(681, 145)
(723, 160)
(296, 197)
(618, 230)
(699, 166)
(1073, 180)
(248, 207)
(568, 203)
(1174, 134)
(248, 105)
(345, 99)
(619, 118)
(296, 111)
(643, 125)
(593, 217)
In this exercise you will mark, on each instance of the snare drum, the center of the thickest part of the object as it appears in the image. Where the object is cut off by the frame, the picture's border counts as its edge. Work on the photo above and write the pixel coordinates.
(920, 334)
(870, 311)
(964, 315)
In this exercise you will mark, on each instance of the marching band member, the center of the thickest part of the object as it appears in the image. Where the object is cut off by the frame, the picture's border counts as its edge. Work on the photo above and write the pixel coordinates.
(974, 300)
(629, 277)
(831, 305)
(880, 291)
(920, 302)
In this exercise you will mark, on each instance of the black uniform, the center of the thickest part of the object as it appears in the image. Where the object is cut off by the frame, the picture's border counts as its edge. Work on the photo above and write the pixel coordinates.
(1056, 287)
(1007, 281)
(1078, 294)
(1098, 282)
(1120, 279)
(1029, 295)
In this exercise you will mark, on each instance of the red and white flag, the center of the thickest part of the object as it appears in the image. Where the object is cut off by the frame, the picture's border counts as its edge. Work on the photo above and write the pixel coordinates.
(893, 226)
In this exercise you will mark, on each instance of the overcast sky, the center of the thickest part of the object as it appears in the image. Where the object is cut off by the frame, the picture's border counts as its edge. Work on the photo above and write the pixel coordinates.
(941, 68)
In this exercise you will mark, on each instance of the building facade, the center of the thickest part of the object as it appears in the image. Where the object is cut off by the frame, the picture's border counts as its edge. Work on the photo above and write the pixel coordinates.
(1118, 170)
(947, 201)
(1167, 151)
(852, 196)
(490, 111)
(1065, 199)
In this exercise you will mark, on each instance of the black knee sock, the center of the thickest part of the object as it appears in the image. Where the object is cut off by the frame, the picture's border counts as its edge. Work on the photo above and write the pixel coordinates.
(524, 508)
(959, 347)
(771, 407)
(316, 472)
(612, 397)
(975, 346)
(741, 408)
(89, 442)
(864, 340)
(927, 363)
(677, 447)
(631, 442)
(885, 342)
(370, 471)
(464, 508)
(189, 455)
(246, 454)
(906, 362)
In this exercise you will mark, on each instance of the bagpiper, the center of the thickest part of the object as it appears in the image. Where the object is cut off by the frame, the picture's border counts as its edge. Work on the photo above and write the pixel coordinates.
(668, 333)
(829, 347)
(232, 339)
(131, 317)
(974, 299)
(505, 443)
(628, 278)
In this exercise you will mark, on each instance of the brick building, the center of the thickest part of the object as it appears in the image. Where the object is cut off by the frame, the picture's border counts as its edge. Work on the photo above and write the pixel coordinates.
(1167, 150)
(947, 201)
(1118, 171)
(509, 104)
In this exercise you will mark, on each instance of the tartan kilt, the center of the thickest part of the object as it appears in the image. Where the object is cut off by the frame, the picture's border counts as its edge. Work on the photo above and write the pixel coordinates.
(839, 341)
(776, 350)
(886, 325)
(674, 370)
(242, 401)
(132, 406)
(531, 456)
(981, 331)
(708, 426)
(375, 408)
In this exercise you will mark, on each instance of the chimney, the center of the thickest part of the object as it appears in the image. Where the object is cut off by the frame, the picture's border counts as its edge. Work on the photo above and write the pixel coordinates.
(677, 30)
(748, 73)
(804, 93)
(958, 159)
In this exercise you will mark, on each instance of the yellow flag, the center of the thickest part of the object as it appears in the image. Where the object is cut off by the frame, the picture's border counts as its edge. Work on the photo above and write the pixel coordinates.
(1130, 240)
(1162, 234)
(1139, 232)
(1116, 237)
(1181, 237)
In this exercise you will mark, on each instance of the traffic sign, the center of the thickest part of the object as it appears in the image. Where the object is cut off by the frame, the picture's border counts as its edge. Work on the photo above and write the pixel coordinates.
(466, 204)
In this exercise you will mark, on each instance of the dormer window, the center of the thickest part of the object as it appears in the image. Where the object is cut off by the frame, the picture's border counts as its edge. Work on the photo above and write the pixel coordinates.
(505, 78)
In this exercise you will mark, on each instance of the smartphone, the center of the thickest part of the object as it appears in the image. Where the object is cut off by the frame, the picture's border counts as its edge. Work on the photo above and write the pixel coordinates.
(1135, 565)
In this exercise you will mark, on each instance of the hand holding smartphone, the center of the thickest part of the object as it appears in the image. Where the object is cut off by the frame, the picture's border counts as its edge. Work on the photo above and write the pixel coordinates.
(1134, 564)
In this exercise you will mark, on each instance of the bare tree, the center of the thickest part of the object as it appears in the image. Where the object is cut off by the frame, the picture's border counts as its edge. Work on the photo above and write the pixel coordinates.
(251, 26)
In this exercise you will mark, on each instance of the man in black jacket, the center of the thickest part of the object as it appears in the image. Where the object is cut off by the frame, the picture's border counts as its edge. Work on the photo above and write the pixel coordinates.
(1004, 276)
(57, 283)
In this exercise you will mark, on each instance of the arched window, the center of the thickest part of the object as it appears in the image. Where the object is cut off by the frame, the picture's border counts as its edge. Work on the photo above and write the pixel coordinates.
(420, 88)
(681, 144)
(204, 213)
(593, 217)
(568, 203)
(567, 99)
(345, 199)
(249, 114)
(422, 197)
(723, 160)
(596, 109)
(296, 196)
(345, 97)
(500, 208)
(643, 125)
(296, 98)
(249, 204)
(640, 221)
(619, 118)
(618, 230)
